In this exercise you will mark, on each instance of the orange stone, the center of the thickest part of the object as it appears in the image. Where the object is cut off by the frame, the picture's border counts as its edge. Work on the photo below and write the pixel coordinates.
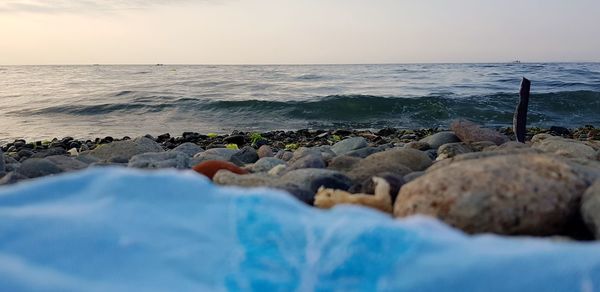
(210, 168)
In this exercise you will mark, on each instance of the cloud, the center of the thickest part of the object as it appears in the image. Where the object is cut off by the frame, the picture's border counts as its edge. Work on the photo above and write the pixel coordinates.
(66, 6)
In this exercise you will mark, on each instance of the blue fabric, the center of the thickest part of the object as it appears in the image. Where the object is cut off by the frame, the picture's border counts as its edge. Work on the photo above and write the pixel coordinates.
(125, 230)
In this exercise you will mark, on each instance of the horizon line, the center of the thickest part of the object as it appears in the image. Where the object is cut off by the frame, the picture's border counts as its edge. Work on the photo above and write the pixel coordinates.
(298, 64)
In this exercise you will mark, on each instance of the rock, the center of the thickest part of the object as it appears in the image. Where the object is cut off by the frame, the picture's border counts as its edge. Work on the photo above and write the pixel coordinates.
(236, 139)
(37, 167)
(507, 146)
(50, 152)
(364, 152)
(66, 163)
(223, 152)
(470, 132)
(438, 139)
(87, 159)
(590, 208)
(226, 177)
(308, 161)
(481, 145)
(563, 147)
(210, 168)
(126, 149)
(349, 144)
(417, 145)
(73, 152)
(561, 131)
(171, 159)
(267, 163)
(2, 162)
(303, 195)
(413, 175)
(478, 155)
(432, 154)
(12, 167)
(25, 153)
(303, 152)
(311, 179)
(532, 194)
(190, 149)
(12, 178)
(398, 161)
(246, 155)
(265, 151)
(284, 155)
(343, 163)
(278, 170)
(368, 186)
(452, 149)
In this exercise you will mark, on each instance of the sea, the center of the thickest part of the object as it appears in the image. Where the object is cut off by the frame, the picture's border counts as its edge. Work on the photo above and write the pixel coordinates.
(43, 102)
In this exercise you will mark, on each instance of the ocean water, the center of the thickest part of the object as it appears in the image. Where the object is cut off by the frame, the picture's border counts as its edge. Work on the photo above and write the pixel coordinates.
(41, 102)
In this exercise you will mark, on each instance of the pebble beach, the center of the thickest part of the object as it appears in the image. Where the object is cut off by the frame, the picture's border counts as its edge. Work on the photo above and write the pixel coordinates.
(473, 178)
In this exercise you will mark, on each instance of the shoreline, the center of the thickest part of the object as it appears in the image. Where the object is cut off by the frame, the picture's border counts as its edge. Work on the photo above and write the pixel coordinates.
(508, 185)
(302, 137)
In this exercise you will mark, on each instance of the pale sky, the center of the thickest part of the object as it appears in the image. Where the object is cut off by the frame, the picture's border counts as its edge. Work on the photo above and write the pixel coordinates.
(297, 31)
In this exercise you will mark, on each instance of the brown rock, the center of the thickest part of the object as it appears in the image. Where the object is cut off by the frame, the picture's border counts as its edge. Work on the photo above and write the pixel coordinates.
(532, 194)
(471, 132)
(563, 147)
(328, 198)
(590, 208)
(398, 161)
(265, 151)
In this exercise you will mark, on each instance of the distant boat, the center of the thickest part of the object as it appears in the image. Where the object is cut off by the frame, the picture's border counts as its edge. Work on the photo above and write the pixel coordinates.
(517, 62)
(159, 65)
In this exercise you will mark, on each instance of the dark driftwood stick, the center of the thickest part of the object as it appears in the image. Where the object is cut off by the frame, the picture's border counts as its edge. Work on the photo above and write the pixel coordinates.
(520, 118)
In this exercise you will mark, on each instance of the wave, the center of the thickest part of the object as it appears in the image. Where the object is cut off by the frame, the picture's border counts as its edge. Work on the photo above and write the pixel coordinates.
(574, 108)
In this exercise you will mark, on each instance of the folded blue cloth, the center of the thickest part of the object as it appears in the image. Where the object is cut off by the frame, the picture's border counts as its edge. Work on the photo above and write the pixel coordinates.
(125, 230)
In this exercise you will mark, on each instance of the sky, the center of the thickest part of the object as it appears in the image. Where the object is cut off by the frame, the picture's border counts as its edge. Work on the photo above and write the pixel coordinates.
(297, 31)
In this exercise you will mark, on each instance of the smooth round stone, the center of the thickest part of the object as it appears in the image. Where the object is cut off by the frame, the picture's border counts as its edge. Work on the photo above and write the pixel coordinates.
(438, 139)
(469, 132)
(126, 149)
(160, 160)
(267, 163)
(308, 161)
(343, 163)
(246, 155)
(265, 151)
(451, 150)
(564, 147)
(188, 148)
(349, 144)
(311, 179)
(590, 208)
(2, 161)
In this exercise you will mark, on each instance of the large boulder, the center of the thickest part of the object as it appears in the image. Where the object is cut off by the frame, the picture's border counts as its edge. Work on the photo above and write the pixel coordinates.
(532, 194)
(171, 159)
(564, 147)
(438, 139)
(126, 149)
(469, 132)
(349, 144)
(590, 208)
